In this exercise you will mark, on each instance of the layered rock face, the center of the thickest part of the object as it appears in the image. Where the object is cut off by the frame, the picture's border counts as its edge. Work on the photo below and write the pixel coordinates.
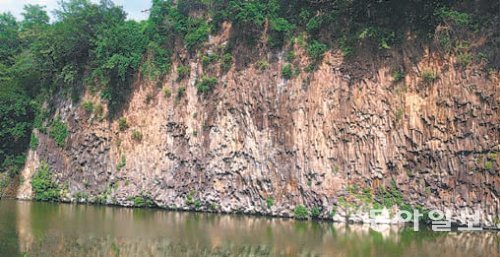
(261, 144)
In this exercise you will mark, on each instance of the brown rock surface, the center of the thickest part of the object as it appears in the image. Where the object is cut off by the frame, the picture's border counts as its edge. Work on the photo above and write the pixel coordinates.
(298, 141)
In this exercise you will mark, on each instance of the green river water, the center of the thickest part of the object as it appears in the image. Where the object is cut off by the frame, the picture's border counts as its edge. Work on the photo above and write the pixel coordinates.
(49, 229)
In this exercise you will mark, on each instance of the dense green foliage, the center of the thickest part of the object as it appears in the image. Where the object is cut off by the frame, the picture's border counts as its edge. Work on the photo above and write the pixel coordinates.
(286, 71)
(58, 131)
(143, 201)
(44, 188)
(93, 45)
(207, 84)
(300, 212)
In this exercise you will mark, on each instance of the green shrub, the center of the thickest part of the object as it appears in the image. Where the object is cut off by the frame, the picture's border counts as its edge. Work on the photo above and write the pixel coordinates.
(122, 124)
(167, 92)
(280, 30)
(262, 65)
(398, 75)
(316, 50)
(181, 91)
(190, 198)
(196, 37)
(286, 71)
(488, 165)
(121, 164)
(281, 25)
(464, 59)
(136, 135)
(429, 76)
(197, 204)
(301, 212)
(270, 202)
(58, 132)
(182, 72)
(459, 18)
(207, 84)
(88, 106)
(315, 212)
(208, 59)
(314, 24)
(143, 201)
(44, 188)
(310, 68)
(227, 61)
(247, 13)
(33, 142)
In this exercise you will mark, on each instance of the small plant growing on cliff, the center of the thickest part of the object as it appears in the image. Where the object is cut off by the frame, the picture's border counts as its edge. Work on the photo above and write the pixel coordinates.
(121, 164)
(208, 59)
(429, 76)
(181, 91)
(182, 72)
(167, 92)
(58, 132)
(456, 17)
(315, 212)
(286, 71)
(316, 50)
(300, 212)
(398, 75)
(190, 198)
(197, 204)
(44, 188)
(270, 202)
(143, 201)
(33, 142)
(488, 165)
(227, 61)
(206, 84)
(88, 106)
(122, 124)
(262, 65)
(464, 59)
(136, 135)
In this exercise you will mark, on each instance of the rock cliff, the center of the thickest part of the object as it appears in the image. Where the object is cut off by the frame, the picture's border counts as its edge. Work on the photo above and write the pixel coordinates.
(329, 140)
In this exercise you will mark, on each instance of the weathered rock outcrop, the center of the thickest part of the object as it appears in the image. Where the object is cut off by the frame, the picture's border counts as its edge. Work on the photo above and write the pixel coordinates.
(260, 144)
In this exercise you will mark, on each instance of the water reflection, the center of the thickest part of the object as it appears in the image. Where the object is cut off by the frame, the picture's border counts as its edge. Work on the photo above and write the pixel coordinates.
(44, 229)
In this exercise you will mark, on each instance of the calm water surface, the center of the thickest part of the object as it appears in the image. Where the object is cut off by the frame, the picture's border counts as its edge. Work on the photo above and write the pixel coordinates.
(46, 229)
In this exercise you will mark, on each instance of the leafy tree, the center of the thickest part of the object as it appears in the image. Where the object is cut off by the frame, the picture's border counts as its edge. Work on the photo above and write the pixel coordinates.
(9, 38)
(16, 115)
(34, 23)
(116, 57)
